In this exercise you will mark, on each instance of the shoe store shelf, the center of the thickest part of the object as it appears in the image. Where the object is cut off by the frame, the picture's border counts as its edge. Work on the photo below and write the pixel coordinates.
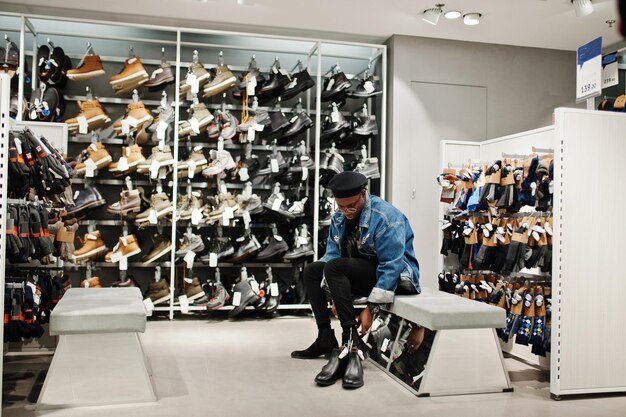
(316, 56)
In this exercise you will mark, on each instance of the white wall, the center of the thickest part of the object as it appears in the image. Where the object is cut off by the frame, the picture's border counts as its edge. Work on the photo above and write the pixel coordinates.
(523, 87)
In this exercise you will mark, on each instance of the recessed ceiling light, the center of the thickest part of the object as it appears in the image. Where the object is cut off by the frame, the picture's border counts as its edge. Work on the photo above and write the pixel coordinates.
(582, 7)
(472, 19)
(432, 15)
(452, 14)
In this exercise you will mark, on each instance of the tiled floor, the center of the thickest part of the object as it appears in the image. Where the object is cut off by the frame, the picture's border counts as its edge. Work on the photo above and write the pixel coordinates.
(221, 368)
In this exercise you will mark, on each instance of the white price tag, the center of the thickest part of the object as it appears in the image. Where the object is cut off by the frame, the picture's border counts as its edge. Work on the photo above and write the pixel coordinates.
(76, 194)
(86, 283)
(161, 145)
(189, 257)
(236, 299)
(274, 292)
(189, 95)
(369, 87)
(152, 217)
(255, 286)
(36, 294)
(124, 264)
(154, 169)
(385, 345)
(246, 219)
(251, 134)
(251, 86)
(334, 116)
(376, 325)
(196, 216)
(132, 121)
(225, 219)
(229, 212)
(212, 259)
(274, 164)
(116, 257)
(243, 174)
(278, 238)
(149, 305)
(610, 74)
(548, 229)
(223, 189)
(125, 127)
(302, 240)
(220, 144)
(122, 164)
(195, 126)
(90, 168)
(83, 126)
(191, 168)
(161, 130)
(192, 82)
(184, 303)
(258, 127)
(305, 173)
(276, 204)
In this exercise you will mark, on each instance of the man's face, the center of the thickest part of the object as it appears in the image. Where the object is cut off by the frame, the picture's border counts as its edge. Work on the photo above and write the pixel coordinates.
(351, 207)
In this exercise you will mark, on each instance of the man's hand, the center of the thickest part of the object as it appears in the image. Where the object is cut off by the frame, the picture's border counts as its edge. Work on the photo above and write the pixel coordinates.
(415, 339)
(365, 319)
(333, 310)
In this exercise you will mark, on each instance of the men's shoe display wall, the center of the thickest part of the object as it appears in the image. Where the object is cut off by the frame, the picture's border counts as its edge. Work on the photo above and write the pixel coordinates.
(198, 177)
(497, 240)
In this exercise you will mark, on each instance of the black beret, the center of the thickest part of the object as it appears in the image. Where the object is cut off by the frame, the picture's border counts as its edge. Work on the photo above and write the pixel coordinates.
(347, 184)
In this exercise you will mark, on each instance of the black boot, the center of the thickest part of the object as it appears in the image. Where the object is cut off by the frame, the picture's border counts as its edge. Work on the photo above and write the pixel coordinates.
(323, 345)
(353, 376)
(333, 370)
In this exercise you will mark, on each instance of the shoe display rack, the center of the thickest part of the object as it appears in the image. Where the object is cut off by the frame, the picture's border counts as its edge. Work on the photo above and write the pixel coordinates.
(215, 147)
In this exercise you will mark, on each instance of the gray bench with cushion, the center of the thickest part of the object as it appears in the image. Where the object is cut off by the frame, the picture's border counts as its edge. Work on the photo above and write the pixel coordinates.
(465, 356)
(99, 359)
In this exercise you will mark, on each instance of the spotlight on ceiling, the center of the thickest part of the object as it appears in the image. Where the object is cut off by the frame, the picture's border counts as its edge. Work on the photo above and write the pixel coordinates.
(472, 19)
(582, 7)
(432, 15)
(452, 14)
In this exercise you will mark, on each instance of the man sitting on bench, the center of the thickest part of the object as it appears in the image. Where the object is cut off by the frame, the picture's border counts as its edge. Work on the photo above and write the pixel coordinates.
(369, 254)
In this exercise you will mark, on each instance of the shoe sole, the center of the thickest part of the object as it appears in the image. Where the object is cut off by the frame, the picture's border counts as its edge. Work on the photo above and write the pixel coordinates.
(130, 165)
(217, 88)
(158, 255)
(373, 132)
(85, 75)
(91, 254)
(160, 215)
(161, 300)
(352, 386)
(198, 163)
(119, 81)
(243, 257)
(196, 296)
(125, 211)
(301, 255)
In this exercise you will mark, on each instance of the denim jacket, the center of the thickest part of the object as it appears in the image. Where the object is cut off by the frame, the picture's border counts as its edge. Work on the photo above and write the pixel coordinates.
(385, 234)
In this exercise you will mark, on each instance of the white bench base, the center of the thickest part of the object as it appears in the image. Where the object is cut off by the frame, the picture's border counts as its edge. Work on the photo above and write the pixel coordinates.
(97, 369)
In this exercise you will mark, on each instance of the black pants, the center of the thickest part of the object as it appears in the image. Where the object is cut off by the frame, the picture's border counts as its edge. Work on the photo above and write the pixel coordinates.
(347, 278)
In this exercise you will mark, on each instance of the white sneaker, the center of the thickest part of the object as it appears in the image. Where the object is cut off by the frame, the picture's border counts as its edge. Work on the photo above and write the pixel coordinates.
(221, 160)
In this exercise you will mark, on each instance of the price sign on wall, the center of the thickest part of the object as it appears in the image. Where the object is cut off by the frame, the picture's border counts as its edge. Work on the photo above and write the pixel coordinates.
(589, 70)
(609, 70)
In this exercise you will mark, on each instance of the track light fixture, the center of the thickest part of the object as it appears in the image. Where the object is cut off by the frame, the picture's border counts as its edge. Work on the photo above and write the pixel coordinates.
(582, 7)
(432, 15)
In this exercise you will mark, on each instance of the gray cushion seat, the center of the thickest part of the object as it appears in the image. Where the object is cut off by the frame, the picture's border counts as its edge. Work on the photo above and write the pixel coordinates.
(437, 310)
(99, 310)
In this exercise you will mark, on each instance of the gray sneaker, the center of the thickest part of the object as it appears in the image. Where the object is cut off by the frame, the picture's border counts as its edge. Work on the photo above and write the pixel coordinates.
(369, 168)
(220, 296)
(191, 243)
(368, 128)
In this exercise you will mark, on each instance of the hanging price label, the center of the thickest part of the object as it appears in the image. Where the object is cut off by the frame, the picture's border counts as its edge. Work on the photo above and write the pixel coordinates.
(255, 286)
(258, 127)
(305, 173)
(274, 292)
(154, 169)
(196, 216)
(277, 203)
(191, 168)
(192, 82)
(149, 305)
(161, 130)
(220, 144)
(334, 116)
(243, 174)
(152, 217)
(122, 164)
(385, 345)
(116, 257)
(212, 259)
(369, 87)
(251, 134)
(124, 264)
(274, 164)
(236, 299)
(251, 86)
(189, 257)
(195, 126)
(223, 189)
(246, 219)
(184, 304)
(83, 126)
(90, 168)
